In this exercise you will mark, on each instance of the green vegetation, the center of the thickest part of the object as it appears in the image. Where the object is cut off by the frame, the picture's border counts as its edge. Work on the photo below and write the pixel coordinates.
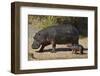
(41, 22)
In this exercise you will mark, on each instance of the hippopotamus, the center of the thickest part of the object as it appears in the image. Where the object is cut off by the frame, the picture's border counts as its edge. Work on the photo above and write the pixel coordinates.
(77, 48)
(56, 34)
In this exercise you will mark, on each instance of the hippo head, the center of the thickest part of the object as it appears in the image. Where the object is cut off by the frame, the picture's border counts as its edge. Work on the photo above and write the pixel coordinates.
(38, 40)
(35, 44)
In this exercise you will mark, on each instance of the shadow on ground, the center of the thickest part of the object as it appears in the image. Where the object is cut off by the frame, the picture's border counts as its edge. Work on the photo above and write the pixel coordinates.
(60, 49)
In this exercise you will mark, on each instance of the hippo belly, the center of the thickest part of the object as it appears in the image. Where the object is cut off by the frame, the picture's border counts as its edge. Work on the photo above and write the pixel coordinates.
(64, 39)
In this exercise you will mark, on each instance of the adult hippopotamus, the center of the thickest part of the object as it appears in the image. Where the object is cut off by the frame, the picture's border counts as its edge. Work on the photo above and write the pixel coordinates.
(58, 34)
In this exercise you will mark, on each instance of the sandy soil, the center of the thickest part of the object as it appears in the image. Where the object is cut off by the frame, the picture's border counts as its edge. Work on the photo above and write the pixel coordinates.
(62, 52)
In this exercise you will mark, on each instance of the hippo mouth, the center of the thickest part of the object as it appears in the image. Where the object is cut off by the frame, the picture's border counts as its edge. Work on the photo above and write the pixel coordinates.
(35, 45)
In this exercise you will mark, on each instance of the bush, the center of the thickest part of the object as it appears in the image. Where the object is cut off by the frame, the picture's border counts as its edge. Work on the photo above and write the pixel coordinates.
(41, 22)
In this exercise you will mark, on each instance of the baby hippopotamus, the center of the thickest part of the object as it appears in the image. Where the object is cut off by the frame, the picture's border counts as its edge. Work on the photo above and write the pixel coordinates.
(77, 47)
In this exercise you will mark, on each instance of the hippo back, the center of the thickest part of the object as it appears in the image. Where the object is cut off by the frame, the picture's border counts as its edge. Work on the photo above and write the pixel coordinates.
(63, 34)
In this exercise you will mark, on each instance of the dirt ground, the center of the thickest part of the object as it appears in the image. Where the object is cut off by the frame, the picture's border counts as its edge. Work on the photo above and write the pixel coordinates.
(62, 52)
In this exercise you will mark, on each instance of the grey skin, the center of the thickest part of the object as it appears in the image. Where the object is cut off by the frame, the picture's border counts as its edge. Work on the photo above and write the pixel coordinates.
(58, 34)
(75, 48)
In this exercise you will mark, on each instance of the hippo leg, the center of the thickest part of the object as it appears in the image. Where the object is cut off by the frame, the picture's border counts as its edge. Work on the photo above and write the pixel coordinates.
(41, 49)
(81, 51)
(76, 51)
(53, 46)
(43, 46)
(72, 51)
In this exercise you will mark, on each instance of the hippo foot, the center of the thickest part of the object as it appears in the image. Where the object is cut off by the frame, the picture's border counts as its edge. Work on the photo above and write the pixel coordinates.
(81, 53)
